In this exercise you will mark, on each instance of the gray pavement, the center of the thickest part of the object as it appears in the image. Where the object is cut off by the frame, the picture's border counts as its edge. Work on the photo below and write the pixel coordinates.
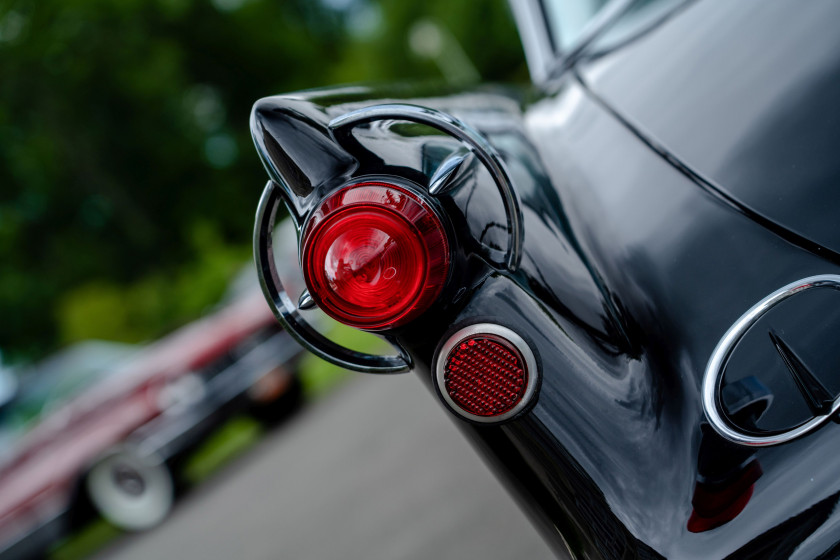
(375, 470)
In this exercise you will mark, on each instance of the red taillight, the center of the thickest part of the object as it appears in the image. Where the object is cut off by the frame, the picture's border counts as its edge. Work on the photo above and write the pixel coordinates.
(717, 503)
(375, 255)
(485, 377)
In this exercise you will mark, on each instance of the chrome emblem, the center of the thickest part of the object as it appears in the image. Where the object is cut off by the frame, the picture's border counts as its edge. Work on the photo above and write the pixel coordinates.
(810, 387)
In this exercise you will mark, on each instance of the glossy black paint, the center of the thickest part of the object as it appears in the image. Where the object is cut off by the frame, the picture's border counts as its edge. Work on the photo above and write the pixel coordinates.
(744, 93)
(638, 256)
(683, 265)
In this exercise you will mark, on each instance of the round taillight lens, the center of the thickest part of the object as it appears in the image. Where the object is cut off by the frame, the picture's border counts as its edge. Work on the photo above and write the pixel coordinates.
(375, 255)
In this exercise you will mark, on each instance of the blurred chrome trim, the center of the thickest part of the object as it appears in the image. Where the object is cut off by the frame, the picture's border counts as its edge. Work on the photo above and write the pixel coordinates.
(713, 377)
(608, 14)
(540, 50)
(547, 59)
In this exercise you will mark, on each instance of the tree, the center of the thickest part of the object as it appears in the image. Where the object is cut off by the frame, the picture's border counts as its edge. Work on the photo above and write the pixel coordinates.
(127, 178)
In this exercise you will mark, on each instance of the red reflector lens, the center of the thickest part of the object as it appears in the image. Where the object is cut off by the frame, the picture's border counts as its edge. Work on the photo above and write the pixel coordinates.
(485, 376)
(374, 255)
(720, 502)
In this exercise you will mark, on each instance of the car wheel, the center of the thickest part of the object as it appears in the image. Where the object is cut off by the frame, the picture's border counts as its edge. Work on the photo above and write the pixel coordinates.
(130, 491)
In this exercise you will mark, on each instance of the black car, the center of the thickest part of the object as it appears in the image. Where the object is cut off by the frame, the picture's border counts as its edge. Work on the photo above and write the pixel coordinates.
(621, 280)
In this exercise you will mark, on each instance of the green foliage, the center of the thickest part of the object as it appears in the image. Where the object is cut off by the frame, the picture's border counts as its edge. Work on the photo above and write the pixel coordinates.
(86, 542)
(228, 442)
(159, 301)
(127, 177)
(319, 376)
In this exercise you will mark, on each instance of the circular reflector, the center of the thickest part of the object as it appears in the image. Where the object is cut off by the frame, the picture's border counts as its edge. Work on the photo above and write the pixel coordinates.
(486, 373)
(375, 255)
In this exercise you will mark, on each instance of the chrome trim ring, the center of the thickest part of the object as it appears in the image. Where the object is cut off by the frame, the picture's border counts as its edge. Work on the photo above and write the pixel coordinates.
(713, 376)
(288, 314)
(343, 125)
(492, 331)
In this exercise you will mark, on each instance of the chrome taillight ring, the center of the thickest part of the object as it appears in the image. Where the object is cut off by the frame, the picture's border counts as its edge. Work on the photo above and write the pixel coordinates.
(341, 128)
(287, 312)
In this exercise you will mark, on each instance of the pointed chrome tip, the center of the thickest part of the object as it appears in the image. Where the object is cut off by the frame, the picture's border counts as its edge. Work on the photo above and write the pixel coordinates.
(306, 302)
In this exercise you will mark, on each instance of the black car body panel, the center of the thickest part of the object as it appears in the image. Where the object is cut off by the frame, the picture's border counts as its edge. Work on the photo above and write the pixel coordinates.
(634, 265)
(682, 265)
(744, 93)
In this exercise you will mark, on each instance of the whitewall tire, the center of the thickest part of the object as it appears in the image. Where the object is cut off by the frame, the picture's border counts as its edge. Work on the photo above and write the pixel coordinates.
(131, 491)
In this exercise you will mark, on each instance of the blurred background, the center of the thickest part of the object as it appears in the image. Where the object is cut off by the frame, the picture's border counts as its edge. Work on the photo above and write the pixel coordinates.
(128, 186)
(128, 180)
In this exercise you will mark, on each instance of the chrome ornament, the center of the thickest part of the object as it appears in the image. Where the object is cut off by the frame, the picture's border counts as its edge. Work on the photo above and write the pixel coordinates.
(713, 377)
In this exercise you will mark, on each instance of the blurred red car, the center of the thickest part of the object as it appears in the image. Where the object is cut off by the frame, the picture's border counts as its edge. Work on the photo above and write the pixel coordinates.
(99, 425)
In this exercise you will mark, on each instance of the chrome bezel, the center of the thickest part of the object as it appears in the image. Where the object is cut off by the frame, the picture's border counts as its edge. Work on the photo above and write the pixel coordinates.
(491, 331)
(713, 376)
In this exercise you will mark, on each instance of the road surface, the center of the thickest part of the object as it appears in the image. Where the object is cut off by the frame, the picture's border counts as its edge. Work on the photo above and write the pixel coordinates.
(376, 470)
